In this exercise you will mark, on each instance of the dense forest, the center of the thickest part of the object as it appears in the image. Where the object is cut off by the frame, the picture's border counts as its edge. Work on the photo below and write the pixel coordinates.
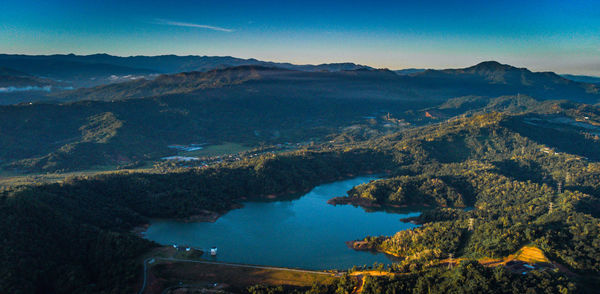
(523, 193)
(75, 236)
(470, 277)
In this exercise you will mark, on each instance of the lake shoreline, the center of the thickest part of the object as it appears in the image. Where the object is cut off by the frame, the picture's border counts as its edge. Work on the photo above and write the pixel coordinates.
(371, 205)
(367, 203)
(205, 216)
(212, 216)
(292, 219)
(359, 245)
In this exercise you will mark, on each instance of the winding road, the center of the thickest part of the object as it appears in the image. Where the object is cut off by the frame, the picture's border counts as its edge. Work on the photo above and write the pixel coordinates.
(145, 274)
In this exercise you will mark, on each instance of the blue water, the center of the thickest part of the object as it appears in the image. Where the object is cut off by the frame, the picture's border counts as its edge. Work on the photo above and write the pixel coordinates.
(303, 233)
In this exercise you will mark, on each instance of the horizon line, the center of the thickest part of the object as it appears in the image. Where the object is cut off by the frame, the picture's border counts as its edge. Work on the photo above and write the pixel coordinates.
(280, 61)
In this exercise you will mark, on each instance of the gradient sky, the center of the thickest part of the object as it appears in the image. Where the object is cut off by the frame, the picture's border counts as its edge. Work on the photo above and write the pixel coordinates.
(561, 36)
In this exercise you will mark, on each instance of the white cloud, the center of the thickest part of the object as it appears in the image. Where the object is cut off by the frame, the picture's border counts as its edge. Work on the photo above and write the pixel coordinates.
(191, 25)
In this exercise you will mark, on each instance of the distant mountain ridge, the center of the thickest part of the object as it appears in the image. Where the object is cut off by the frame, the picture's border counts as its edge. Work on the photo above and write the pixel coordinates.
(269, 79)
(582, 79)
(96, 69)
(176, 63)
(13, 78)
(409, 71)
(490, 79)
(178, 83)
(17, 86)
(114, 78)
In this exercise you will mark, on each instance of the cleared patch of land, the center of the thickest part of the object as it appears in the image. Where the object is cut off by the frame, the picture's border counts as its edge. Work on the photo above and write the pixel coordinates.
(168, 268)
(531, 254)
(10, 178)
(168, 273)
(528, 254)
(371, 273)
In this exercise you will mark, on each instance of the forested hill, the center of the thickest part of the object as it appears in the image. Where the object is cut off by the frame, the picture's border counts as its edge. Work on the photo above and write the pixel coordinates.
(180, 83)
(268, 79)
(77, 136)
(87, 133)
(493, 162)
(523, 189)
(13, 80)
(135, 122)
(491, 78)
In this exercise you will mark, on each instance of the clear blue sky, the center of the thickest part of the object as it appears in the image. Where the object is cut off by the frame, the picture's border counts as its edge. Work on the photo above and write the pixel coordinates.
(562, 36)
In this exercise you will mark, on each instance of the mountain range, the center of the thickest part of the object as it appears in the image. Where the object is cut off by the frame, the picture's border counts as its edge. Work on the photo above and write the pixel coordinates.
(91, 70)
(490, 79)
(53, 74)
(583, 79)
(136, 121)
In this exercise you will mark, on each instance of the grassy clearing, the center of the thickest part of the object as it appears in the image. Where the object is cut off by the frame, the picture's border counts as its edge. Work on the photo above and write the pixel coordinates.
(166, 273)
(372, 273)
(531, 254)
(10, 178)
(171, 273)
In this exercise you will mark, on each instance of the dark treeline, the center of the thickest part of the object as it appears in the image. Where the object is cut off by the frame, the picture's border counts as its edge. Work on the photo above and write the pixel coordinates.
(46, 249)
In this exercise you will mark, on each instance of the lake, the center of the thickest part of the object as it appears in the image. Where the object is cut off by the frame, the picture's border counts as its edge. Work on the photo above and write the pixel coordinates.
(302, 233)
